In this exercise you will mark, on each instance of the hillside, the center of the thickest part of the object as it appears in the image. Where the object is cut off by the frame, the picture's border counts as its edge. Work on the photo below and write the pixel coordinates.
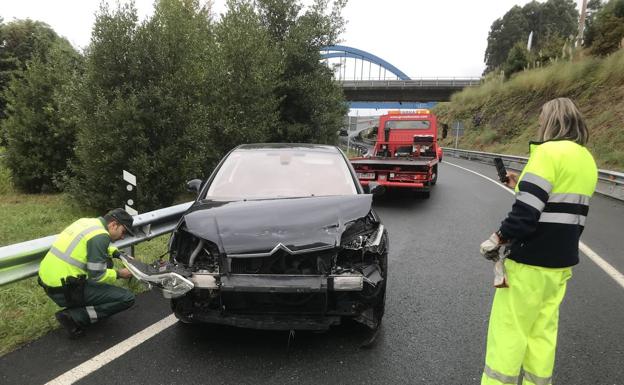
(501, 116)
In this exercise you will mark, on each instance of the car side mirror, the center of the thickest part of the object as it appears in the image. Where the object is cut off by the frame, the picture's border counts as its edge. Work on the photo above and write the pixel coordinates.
(376, 189)
(194, 185)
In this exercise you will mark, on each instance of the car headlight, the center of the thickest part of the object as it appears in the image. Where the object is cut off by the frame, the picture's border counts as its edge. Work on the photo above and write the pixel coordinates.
(369, 241)
(172, 284)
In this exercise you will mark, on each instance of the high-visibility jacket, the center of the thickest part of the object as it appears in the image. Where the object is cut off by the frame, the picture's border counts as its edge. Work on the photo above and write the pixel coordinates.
(82, 248)
(552, 202)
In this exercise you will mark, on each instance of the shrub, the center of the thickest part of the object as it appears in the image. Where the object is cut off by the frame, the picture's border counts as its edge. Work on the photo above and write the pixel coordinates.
(40, 139)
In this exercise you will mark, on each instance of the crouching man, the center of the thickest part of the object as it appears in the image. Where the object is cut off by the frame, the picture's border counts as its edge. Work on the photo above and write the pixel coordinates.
(76, 272)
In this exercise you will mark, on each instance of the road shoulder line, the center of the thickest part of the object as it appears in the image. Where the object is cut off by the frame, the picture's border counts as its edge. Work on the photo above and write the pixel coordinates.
(113, 353)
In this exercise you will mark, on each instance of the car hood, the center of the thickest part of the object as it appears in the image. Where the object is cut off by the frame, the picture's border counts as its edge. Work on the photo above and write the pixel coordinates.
(259, 226)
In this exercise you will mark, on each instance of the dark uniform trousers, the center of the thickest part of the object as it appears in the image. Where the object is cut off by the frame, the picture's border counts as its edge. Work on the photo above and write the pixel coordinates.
(100, 301)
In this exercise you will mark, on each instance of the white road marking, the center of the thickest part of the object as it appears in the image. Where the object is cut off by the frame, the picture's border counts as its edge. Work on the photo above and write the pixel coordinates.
(113, 353)
(598, 260)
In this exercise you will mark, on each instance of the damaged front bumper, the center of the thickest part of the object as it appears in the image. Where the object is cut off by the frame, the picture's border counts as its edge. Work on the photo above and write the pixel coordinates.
(173, 284)
(280, 283)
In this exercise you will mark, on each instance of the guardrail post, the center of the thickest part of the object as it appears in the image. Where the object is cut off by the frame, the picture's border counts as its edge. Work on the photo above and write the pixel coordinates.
(130, 203)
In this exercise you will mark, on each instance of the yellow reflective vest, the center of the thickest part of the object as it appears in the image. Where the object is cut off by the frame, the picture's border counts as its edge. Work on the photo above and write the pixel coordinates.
(552, 203)
(69, 256)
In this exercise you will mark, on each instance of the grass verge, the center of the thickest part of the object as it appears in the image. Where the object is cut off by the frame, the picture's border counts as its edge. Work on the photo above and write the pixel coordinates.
(26, 313)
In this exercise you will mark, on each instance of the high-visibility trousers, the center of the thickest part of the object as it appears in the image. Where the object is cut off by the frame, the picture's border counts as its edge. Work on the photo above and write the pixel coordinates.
(523, 325)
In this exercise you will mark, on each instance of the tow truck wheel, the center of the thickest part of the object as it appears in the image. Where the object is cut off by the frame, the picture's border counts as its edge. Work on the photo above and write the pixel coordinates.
(435, 176)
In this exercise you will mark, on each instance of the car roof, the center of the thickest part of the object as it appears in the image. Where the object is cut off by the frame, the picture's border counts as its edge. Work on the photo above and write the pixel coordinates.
(289, 146)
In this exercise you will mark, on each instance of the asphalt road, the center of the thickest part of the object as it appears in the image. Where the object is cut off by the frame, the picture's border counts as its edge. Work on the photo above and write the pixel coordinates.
(439, 296)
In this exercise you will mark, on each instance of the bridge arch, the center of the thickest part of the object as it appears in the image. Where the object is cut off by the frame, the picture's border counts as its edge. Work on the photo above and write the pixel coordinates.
(343, 51)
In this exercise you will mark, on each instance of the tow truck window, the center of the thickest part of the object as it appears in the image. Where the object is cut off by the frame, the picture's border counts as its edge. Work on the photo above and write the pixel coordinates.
(408, 124)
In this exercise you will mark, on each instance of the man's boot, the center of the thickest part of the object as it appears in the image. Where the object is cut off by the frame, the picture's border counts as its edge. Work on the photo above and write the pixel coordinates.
(73, 329)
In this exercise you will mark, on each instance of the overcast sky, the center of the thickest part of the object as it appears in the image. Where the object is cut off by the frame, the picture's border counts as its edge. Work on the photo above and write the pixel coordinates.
(433, 38)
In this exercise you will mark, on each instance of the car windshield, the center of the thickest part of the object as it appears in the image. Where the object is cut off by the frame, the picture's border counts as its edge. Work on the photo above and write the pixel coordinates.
(271, 173)
(408, 124)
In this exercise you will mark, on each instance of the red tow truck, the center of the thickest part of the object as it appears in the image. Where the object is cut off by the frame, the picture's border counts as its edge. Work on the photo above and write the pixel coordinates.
(406, 152)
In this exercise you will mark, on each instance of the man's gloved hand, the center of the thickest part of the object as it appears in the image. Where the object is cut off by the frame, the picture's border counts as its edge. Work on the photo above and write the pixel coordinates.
(117, 254)
(489, 248)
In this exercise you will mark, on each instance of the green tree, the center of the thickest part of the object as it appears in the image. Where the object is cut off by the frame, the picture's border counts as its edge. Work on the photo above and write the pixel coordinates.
(593, 8)
(19, 40)
(248, 73)
(144, 101)
(312, 105)
(549, 21)
(39, 125)
(504, 34)
(558, 18)
(608, 28)
(517, 60)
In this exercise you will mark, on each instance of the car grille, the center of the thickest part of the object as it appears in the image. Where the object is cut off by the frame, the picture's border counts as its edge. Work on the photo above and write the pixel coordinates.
(281, 262)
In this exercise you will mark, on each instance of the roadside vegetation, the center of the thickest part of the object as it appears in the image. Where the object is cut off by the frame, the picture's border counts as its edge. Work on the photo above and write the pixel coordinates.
(501, 115)
(26, 313)
(164, 98)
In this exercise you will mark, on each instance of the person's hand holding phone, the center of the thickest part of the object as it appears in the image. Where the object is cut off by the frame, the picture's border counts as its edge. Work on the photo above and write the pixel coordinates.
(512, 179)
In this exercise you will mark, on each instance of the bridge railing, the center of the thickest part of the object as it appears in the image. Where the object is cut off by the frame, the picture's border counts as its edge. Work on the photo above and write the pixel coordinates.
(422, 82)
(610, 183)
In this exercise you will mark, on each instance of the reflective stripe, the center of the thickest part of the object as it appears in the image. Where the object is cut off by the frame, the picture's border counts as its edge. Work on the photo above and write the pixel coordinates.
(59, 254)
(66, 256)
(564, 218)
(537, 180)
(78, 238)
(499, 376)
(96, 266)
(92, 314)
(537, 380)
(569, 198)
(530, 200)
(96, 277)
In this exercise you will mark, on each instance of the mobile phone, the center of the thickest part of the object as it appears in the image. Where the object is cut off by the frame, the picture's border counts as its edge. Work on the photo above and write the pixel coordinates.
(500, 168)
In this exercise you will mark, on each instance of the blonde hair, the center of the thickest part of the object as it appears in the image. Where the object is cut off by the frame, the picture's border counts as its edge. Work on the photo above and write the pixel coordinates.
(561, 119)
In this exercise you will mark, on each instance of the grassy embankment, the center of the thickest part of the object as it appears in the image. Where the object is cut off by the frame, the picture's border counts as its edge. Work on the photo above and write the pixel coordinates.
(509, 110)
(26, 313)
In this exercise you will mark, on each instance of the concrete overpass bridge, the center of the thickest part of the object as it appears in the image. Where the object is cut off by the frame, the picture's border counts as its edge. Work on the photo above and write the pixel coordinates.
(368, 78)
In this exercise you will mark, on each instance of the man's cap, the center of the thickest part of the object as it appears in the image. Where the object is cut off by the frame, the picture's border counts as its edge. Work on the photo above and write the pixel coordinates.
(122, 216)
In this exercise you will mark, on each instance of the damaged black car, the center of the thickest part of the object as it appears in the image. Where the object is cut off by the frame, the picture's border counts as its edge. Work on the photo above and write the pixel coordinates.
(281, 237)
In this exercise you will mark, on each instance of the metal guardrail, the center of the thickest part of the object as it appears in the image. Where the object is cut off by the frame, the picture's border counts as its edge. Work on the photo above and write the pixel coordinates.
(21, 260)
(423, 82)
(610, 183)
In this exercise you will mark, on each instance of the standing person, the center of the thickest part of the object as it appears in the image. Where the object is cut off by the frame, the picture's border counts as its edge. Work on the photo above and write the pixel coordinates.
(75, 273)
(542, 234)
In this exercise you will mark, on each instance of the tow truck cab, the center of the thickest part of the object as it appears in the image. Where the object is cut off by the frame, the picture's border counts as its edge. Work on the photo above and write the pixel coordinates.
(411, 134)
(406, 152)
